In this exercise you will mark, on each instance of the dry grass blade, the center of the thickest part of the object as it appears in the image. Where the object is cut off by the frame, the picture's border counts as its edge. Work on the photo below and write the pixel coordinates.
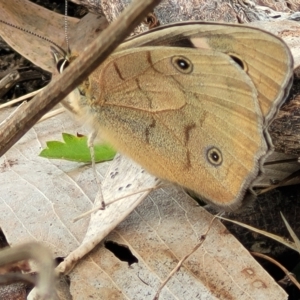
(291, 232)
(22, 98)
(52, 114)
(86, 63)
(265, 233)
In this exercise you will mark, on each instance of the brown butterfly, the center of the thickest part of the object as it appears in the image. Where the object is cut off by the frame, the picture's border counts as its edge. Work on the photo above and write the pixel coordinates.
(191, 102)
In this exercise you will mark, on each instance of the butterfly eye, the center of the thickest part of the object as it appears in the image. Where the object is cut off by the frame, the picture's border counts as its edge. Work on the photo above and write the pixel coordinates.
(182, 64)
(214, 156)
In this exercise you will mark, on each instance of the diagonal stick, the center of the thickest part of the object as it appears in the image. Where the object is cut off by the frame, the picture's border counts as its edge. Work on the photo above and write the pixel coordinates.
(85, 64)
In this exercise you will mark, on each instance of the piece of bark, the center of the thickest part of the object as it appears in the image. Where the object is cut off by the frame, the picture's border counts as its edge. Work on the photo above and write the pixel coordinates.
(169, 11)
(8, 81)
(285, 129)
(14, 291)
(93, 6)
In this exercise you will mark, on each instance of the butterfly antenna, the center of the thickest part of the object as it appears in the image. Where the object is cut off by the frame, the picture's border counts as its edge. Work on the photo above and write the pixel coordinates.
(66, 26)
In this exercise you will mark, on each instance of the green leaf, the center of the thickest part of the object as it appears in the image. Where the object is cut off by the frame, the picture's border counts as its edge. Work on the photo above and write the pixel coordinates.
(75, 149)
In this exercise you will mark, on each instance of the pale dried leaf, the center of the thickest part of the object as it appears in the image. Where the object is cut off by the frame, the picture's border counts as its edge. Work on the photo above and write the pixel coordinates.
(59, 191)
(123, 178)
(164, 228)
(40, 198)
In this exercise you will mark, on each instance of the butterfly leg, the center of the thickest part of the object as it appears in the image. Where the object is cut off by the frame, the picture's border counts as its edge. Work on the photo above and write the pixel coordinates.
(91, 138)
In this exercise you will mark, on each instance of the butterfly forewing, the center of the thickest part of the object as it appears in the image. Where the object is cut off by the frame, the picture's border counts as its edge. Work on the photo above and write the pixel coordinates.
(188, 116)
(265, 58)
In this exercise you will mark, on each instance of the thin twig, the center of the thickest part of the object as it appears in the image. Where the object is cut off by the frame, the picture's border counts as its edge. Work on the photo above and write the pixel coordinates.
(178, 266)
(99, 207)
(273, 261)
